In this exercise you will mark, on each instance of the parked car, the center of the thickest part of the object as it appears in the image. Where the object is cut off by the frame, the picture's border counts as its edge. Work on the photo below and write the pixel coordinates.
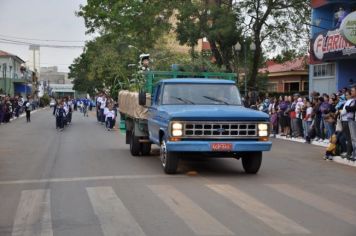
(52, 103)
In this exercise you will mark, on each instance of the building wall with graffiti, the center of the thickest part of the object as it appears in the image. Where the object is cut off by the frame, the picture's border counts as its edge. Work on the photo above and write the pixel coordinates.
(332, 45)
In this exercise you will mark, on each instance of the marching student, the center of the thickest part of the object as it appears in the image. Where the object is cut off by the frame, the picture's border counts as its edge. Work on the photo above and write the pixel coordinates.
(98, 102)
(110, 118)
(106, 110)
(28, 108)
(66, 111)
(102, 107)
(69, 113)
(85, 107)
(60, 116)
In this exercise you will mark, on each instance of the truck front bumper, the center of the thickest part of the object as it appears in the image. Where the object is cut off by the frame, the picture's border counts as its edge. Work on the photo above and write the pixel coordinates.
(205, 146)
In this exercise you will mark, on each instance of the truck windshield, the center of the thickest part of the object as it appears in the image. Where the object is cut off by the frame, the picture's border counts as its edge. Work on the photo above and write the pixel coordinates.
(201, 94)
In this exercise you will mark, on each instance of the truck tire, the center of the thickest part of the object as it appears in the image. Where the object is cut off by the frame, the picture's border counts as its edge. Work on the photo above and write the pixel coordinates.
(251, 162)
(169, 160)
(135, 145)
(146, 149)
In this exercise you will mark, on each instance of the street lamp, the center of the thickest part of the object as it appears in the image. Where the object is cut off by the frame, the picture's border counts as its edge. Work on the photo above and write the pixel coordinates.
(132, 46)
(237, 48)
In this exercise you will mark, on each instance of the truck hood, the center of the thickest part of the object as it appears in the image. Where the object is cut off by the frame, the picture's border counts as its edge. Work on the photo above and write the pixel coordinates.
(212, 112)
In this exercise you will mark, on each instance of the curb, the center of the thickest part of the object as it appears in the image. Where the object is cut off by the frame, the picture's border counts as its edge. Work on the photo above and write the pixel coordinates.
(300, 140)
(24, 114)
(337, 159)
(344, 161)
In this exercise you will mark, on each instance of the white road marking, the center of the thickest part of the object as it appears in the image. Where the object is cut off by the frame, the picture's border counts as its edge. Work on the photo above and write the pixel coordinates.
(114, 218)
(252, 206)
(194, 216)
(93, 178)
(343, 188)
(33, 215)
(317, 202)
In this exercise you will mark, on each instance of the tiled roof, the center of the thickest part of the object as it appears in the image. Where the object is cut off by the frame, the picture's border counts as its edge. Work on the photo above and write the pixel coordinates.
(5, 54)
(298, 64)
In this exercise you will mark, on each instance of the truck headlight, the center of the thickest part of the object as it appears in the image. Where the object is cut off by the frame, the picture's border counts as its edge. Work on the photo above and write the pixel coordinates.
(262, 130)
(177, 126)
(177, 129)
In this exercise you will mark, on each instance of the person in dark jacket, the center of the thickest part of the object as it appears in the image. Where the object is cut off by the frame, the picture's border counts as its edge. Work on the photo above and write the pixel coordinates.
(284, 116)
(351, 114)
(317, 118)
(7, 110)
(28, 108)
(60, 116)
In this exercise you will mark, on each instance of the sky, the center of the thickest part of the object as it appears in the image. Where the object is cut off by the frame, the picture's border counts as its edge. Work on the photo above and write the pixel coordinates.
(47, 20)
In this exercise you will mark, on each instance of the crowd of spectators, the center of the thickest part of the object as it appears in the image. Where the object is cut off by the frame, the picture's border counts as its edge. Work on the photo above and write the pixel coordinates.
(321, 117)
(13, 106)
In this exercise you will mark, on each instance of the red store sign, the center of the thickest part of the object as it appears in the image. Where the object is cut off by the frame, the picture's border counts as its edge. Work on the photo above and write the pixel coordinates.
(331, 45)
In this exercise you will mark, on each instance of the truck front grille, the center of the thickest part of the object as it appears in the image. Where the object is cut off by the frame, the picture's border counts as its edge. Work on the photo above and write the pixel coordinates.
(220, 130)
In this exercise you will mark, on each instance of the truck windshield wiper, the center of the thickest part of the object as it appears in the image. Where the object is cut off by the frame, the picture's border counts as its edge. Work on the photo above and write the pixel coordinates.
(183, 100)
(216, 100)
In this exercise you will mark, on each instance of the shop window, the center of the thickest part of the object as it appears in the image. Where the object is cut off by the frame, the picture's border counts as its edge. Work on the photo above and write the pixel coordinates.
(306, 86)
(291, 87)
(294, 87)
(272, 87)
(324, 70)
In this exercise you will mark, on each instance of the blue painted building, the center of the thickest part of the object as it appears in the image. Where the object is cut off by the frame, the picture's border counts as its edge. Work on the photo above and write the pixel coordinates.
(333, 45)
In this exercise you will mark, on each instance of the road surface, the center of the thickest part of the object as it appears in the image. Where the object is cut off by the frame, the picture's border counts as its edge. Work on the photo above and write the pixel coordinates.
(84, 182)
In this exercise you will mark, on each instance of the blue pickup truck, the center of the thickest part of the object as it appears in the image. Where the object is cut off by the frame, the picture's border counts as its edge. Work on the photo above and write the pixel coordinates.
(190, 117)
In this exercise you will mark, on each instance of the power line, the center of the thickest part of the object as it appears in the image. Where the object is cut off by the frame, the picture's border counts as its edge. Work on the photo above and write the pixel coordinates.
(16, 42)
(45, 40)
(54, 64)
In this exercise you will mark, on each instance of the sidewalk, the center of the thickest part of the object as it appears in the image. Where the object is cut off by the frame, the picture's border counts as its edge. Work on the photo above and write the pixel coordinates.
(24, 113)
(301, 140)
(336, 159)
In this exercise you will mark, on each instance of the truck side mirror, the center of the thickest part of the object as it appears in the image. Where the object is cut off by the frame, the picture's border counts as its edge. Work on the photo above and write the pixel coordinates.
(142, 98)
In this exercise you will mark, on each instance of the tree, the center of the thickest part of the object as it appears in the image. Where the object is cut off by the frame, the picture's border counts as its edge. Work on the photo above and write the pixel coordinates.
(103, 64)
(287, 55)
(136, 22)
(272, 23)
(218, 21)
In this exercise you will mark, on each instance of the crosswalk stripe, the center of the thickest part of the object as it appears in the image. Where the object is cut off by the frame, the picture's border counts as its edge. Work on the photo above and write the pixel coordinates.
(113, 216)
(193, 215)
(33, 215)
(269, 216)
(317, 202)
(344, 188)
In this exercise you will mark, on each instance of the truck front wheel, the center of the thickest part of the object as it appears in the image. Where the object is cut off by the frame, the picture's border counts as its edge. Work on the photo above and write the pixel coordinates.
(251, 162)
(169, 160)
(135, 145)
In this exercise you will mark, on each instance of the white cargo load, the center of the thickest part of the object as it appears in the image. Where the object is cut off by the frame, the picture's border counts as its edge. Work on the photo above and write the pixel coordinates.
(128, 104)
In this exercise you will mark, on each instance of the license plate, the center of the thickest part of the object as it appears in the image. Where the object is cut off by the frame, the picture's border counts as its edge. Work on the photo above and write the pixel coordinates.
(221, 147)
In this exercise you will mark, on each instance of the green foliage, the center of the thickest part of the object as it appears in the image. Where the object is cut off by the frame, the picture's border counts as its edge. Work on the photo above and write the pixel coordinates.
(219, 23)
(140, 23)
(275, 23)
(143, 24)
(44, 100)
(287, 55)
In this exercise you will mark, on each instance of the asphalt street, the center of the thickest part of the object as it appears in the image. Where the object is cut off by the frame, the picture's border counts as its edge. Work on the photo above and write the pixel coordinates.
(84, 182)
